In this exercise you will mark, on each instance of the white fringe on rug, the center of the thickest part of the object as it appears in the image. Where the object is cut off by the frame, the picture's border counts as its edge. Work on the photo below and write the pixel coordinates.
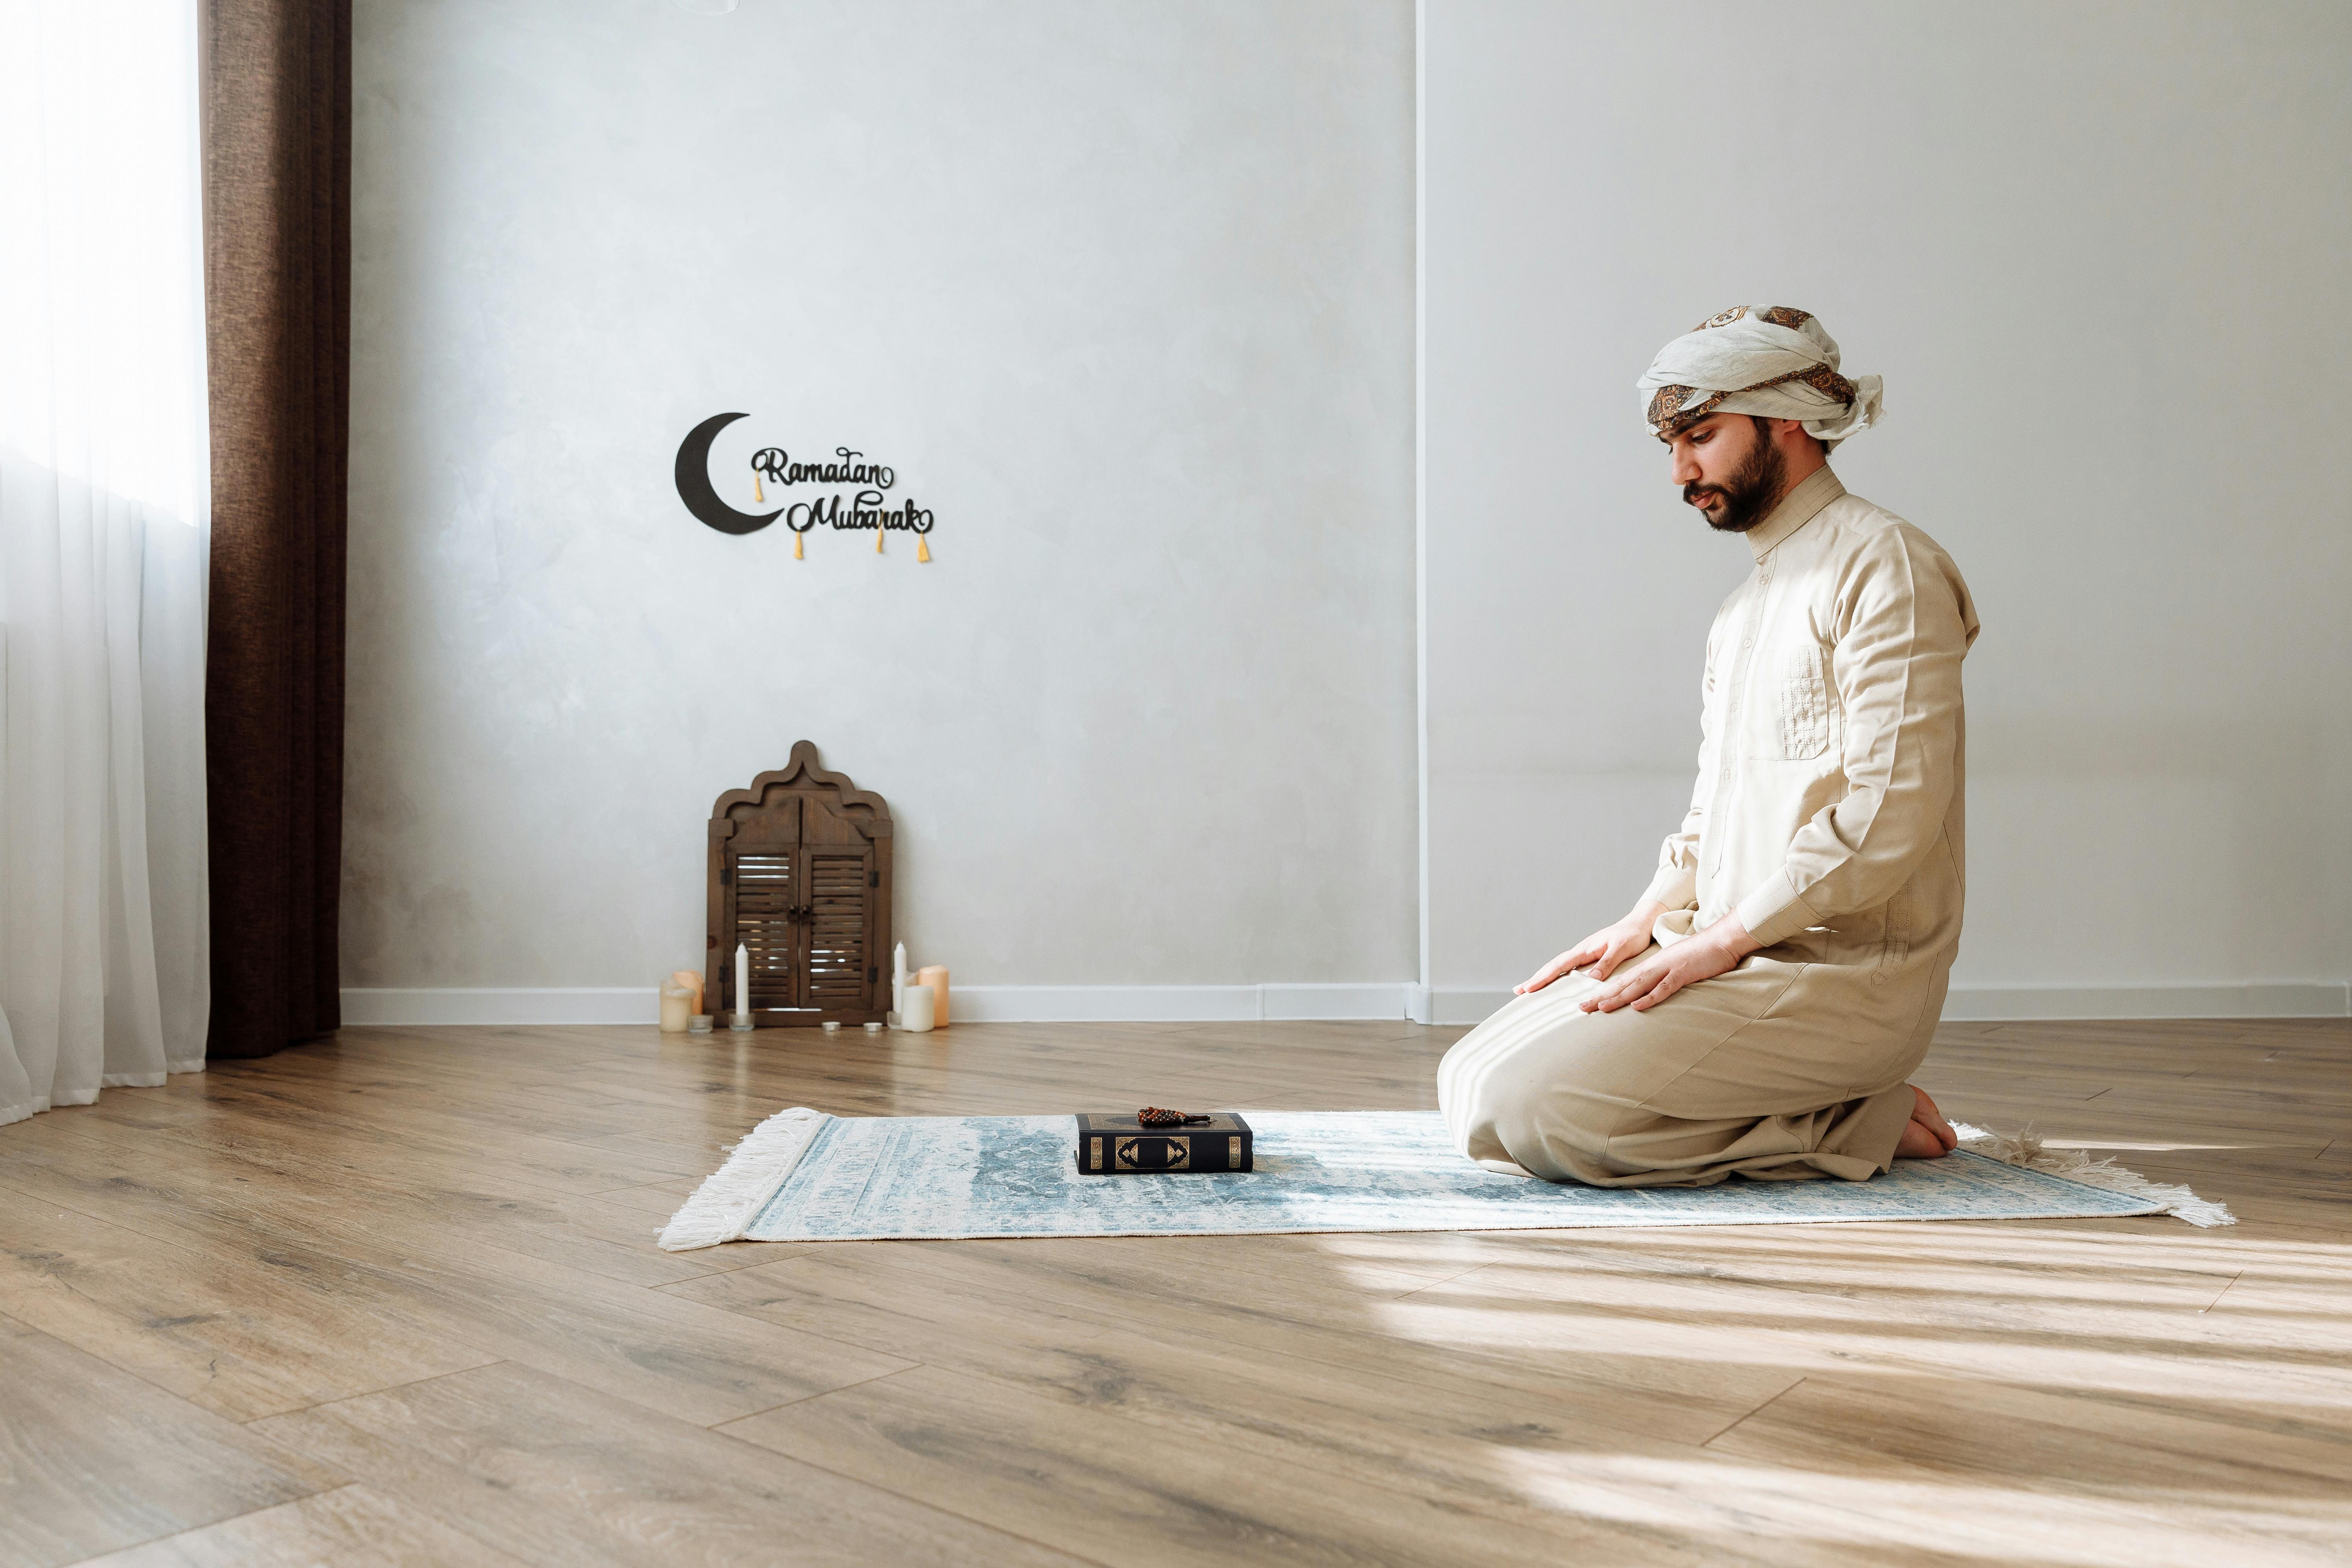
(732, 1197)
(2075, 1165)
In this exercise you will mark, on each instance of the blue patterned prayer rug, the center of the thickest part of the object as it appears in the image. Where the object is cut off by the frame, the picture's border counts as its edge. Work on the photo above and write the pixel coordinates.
(802, 1176)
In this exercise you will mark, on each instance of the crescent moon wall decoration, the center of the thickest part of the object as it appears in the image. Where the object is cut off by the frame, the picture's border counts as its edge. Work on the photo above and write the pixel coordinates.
(856, 492)
(694, 481)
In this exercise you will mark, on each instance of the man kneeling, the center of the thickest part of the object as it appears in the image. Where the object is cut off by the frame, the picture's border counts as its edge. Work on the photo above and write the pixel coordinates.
(1762, 1007)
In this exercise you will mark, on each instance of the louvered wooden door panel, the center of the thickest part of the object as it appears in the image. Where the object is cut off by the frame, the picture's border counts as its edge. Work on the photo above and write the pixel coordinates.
(840, 953)
(768, 900)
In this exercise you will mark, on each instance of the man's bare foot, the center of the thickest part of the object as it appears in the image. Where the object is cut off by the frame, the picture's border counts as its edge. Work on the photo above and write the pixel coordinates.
(1926, 1136)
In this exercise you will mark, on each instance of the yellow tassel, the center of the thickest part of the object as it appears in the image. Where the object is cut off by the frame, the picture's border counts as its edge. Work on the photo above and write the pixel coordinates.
(877, 540)
(922, 548)
(796, 548)
(759, 498)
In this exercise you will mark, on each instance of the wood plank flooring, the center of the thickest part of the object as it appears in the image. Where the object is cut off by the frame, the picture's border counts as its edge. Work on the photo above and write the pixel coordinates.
(393, 1299)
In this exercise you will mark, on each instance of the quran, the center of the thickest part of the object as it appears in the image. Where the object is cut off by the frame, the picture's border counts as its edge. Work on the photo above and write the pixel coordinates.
(1118, 1143)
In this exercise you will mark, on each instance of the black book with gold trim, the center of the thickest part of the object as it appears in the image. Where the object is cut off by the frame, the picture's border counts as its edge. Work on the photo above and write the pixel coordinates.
(1119, 1144)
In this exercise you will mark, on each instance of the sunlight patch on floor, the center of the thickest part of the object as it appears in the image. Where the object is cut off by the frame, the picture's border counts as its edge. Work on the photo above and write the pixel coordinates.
(2168, 1351)
(2165, 1528)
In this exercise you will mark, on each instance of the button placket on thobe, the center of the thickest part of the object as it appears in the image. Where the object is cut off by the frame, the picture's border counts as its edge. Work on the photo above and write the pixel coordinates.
(1731, 728)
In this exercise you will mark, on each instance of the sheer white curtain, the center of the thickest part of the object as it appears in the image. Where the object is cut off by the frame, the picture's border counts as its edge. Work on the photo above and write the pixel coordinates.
(104, 526)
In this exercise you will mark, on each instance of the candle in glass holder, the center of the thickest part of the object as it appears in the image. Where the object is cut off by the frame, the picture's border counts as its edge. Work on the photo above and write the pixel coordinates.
(676, 1007)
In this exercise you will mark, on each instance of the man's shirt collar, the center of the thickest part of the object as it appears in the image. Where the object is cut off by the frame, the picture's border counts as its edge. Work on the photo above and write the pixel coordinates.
(1797, 508)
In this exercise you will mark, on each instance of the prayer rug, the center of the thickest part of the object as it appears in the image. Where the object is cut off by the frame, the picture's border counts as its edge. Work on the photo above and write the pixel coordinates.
(802, 1176)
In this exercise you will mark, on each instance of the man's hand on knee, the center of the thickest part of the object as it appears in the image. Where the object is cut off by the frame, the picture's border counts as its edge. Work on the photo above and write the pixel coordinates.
(1702, 955)
(1604, 949)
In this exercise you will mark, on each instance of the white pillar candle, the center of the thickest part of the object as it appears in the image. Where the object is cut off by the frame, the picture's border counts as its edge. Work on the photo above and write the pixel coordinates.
(915, 1010)
(742, 979)
(676, 1007)
(899, 977)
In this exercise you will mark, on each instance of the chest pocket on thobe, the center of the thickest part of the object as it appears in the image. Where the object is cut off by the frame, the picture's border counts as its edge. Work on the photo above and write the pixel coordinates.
(1805, 707)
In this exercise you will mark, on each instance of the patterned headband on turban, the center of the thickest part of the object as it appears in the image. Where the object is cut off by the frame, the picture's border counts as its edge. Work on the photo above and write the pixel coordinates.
(1771, 361)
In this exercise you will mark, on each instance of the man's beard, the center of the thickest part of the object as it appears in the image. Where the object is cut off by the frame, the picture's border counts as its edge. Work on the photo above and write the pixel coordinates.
(1749, 493)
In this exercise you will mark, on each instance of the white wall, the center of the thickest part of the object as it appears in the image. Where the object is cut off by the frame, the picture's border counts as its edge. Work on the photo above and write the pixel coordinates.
(1125, 292)
(2099, 251)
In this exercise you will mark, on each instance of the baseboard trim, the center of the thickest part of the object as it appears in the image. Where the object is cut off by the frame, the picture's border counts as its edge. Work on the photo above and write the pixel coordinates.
(1381, 1001)
(973, 1004)
(533, 1005)
(1178, 1004)
(2259, 999)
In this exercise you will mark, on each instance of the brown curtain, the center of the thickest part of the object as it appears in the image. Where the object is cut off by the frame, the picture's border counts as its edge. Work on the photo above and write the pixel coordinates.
(278, 251)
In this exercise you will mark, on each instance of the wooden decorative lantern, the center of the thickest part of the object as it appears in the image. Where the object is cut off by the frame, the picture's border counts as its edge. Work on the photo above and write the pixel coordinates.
(800, 876)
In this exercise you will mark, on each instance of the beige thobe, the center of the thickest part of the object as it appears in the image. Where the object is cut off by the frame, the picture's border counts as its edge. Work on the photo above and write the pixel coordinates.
(1828, 814)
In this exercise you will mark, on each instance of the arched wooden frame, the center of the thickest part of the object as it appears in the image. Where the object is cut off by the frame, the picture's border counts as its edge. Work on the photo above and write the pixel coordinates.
(800, 876)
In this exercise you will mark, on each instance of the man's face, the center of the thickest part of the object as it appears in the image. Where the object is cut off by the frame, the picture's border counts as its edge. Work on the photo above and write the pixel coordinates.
(1730, 469)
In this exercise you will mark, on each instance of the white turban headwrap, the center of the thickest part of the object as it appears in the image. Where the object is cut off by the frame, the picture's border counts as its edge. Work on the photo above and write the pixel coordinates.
(1771, 361)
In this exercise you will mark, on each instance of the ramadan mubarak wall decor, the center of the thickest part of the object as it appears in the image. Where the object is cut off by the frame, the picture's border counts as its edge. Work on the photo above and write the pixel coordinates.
(847, 493)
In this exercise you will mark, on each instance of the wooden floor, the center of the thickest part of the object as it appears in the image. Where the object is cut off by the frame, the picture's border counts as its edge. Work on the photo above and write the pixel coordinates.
(393, 1299)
